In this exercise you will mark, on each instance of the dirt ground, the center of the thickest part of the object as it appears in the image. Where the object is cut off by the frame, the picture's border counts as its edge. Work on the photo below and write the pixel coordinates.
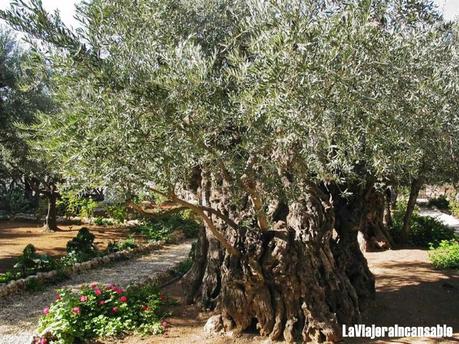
(14, 236)
(409, 292)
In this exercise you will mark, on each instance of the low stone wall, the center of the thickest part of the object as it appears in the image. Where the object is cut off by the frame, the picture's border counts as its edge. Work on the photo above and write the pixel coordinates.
(19, 285)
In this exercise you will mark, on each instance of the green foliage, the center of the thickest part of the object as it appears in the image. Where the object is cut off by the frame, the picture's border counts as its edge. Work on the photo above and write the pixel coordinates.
(34, 285)
(160, 227)
(424, 231)
(118, 212)
(101, 221)
(72, 204)
(9, 276)
(127, 244)
(14, 202)
(184, 266)
(454, 207)
(446, 255)
(441, 202)
(102, 311)
(82, 247)
(30, 262)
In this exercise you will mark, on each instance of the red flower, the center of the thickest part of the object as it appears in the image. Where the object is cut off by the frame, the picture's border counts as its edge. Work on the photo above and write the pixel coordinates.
(93, 285)
(83, 298)
(145, 308)
(46, 310)
(58, 297)
(123, 299)
(98, 292)
(102, 302)
(76, 310)
(115, 310)
(162, 297)
(119, 290)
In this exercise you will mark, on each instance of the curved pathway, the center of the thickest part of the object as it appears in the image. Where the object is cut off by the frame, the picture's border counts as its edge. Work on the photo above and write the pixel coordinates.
(446, 219)
(19, 313)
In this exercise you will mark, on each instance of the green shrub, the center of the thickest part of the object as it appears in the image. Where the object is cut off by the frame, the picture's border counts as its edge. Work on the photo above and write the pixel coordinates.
(127, 244)
(102, 311)
(14, 201)
(34, 285)
(118, 212)
(454, 208)
(161, 227)
(424, 230)
(9, 276)
(82, 246)
(30, 262)
(446, 255)
(72, 204)
(441, 202)
(100, 221)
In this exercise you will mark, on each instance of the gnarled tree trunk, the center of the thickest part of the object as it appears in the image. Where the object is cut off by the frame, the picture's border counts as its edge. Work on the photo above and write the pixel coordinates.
(373, 235)
(292, 281)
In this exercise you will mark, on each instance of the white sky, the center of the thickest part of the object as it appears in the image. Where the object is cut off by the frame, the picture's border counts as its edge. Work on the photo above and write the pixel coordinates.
(450, 8)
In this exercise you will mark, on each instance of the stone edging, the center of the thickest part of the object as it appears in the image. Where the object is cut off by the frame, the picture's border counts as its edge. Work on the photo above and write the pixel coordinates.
(16, 286)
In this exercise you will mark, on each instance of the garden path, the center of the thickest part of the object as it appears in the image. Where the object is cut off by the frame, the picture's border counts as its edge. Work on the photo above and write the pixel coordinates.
(19, 313)
(446, 219)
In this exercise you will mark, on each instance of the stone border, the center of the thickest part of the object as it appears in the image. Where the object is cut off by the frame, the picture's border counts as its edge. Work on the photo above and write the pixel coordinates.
(18, 285)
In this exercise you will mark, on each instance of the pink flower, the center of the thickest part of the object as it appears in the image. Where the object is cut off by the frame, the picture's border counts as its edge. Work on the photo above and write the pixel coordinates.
(43, 340)
(164, 324)
(97, 291)
(123, 299)
(46, 310)
(119, 291)
(93, 285)
(102, 302)
(76, 310)
(83, 298)
(115, 310)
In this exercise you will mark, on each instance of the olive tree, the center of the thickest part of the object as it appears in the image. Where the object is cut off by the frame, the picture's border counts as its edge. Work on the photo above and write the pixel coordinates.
(275, 122)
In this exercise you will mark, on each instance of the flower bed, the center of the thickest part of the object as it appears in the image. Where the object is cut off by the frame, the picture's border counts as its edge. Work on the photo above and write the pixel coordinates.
(102, 311)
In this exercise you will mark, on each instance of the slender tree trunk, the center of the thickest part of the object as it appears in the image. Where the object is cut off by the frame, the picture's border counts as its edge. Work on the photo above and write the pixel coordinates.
(51, 216)
(416, 186)
(292, 281)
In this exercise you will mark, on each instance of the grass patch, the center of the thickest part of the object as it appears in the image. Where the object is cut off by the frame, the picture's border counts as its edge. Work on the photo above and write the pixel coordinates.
(446, 255)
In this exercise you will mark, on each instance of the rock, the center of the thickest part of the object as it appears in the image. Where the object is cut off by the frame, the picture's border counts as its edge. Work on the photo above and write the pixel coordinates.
(214, 325)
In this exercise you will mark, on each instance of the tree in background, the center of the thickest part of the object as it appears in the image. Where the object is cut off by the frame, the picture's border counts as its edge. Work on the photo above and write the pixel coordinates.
(275, 122)
(23, 95)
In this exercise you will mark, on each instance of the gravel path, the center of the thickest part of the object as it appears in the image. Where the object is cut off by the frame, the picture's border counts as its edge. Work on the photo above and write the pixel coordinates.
(19, 313)
(448, 220)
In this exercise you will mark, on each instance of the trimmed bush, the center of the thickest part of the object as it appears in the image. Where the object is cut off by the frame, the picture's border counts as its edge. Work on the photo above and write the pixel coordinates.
(82, 246)
(446, 255)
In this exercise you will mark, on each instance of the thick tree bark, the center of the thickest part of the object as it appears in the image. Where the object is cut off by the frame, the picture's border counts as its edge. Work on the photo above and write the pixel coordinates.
(292, 281)
(374, 234)
(416, 186)
(51, 216)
